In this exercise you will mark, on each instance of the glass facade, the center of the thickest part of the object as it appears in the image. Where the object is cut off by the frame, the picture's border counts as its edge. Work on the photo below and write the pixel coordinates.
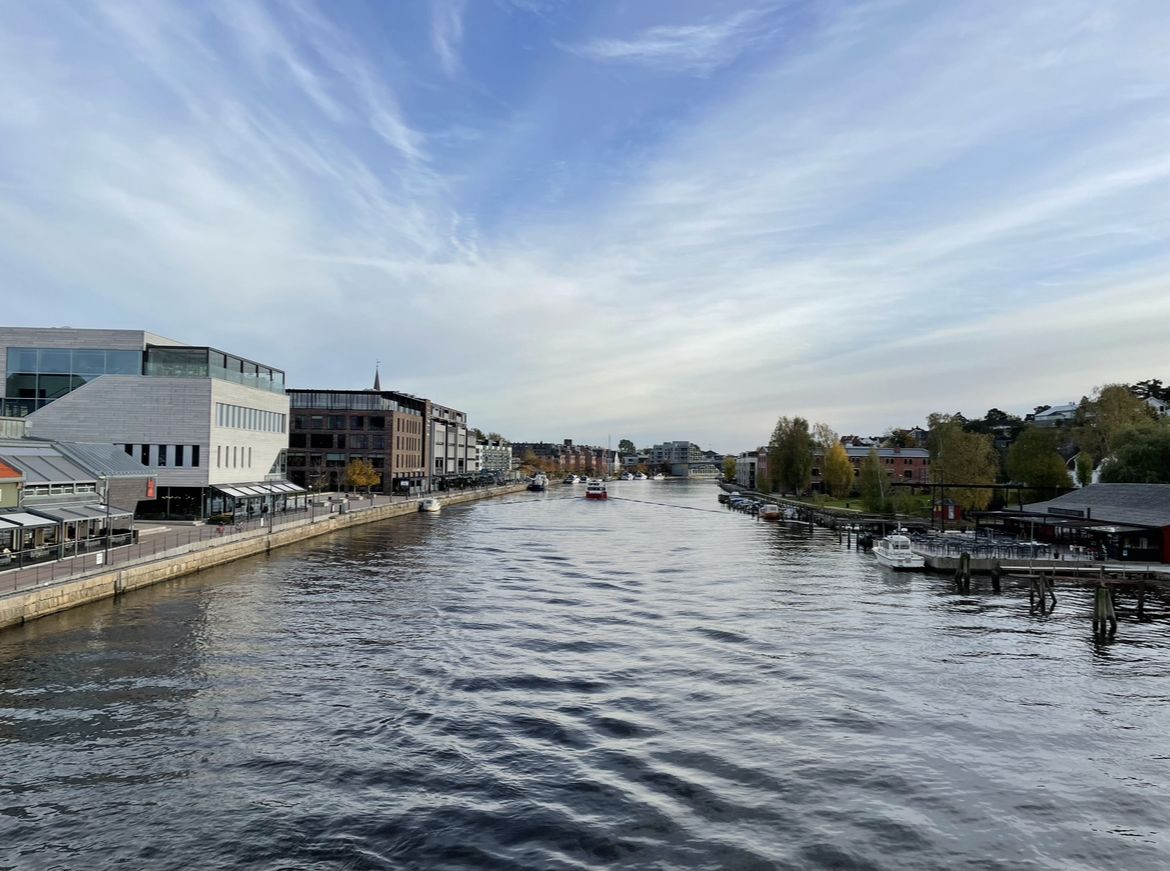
(166, 361)
(37, 376)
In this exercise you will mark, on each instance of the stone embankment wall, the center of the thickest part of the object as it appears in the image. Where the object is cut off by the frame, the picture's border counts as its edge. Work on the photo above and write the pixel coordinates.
(29, 604)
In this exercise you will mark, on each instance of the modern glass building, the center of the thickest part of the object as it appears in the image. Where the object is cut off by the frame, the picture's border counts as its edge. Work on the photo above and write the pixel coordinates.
(214, 425)
(37, 376)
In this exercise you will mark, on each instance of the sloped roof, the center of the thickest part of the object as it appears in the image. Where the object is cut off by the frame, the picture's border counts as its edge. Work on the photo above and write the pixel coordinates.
(41, 462)
(105, 460)
(7, 473)
(1141, 504)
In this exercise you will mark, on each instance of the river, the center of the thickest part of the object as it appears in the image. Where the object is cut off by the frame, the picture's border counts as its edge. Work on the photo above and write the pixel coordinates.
(542, 682)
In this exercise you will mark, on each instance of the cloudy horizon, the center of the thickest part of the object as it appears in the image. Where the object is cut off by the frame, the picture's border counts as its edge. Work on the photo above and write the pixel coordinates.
(652, 221)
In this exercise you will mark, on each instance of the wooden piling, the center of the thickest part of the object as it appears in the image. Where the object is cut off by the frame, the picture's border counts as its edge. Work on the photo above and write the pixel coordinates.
(1104, 613)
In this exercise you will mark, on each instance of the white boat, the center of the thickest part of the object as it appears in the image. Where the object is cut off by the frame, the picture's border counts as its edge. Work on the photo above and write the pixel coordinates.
(894, 551)
(538, 483)
(595, 489)
(641, 476)
(660, 477)
(572, 479)
(628, 476)
(430, 504)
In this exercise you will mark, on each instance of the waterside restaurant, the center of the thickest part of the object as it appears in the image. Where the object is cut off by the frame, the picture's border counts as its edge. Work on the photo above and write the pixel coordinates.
(1117, 522)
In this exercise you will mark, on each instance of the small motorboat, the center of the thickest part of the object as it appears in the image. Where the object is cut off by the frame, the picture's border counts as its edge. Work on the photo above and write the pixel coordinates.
(430, 504)
(538, 483)
(894, 552)
(628, 476)
(641, 476)
(572, 479)
(659, 477)
(595, 489)
(770, 511)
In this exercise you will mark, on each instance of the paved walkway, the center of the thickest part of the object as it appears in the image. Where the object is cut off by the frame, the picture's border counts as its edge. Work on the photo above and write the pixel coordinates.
(155, 540)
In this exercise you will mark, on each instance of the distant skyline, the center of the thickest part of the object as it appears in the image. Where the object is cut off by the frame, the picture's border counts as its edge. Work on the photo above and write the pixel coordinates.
(653, 220)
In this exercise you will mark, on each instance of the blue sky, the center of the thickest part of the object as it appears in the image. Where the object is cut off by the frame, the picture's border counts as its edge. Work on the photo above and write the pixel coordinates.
(653, 220)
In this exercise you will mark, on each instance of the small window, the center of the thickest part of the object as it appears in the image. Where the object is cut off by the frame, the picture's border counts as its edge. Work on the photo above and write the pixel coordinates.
(195, 456)
(179, 455)
(162, 455)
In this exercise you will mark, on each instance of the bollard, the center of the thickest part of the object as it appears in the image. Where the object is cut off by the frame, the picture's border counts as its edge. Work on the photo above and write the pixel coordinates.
(996, 574)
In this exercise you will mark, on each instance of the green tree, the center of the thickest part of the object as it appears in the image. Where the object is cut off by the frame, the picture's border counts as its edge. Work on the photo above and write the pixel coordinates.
(359, 473)
(729, 465)
(1141, 456)
(838, 471)
(1034, 460)
(1151, 388)
(824, 437)
(796, 457)
(873, 483)
(780, 434)
(626, 447)
(1084, 468)
(1104, 415)
(961, 457)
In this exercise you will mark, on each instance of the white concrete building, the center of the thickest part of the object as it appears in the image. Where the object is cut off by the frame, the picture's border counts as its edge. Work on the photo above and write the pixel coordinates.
(452, 447)
(213, 425)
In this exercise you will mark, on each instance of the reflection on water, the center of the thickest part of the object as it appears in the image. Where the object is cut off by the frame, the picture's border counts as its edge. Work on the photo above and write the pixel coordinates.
(543, 682)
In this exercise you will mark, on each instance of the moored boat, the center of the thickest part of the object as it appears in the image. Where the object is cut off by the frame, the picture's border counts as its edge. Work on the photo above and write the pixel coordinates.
(770, 511)
(641, 476)
(660, 477)
(430, 504)
(538, 483)
(894, 552)
(572, 479)
(595, 489)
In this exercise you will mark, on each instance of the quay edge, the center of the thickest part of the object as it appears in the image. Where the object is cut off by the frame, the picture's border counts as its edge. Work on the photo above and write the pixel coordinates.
(24, 605)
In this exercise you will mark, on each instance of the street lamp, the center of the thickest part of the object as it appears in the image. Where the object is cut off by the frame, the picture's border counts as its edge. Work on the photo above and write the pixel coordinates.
(106, 498)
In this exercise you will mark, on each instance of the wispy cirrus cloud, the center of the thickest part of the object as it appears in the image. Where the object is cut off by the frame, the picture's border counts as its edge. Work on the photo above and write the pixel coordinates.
(896, 213)
(693, 48)
(447, 32)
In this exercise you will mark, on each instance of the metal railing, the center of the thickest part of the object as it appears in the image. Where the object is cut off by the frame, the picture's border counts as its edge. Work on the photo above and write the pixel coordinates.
(125, 551)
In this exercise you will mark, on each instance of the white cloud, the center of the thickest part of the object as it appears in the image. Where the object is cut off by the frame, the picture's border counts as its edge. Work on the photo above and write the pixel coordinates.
(447, 33)
(696, 48)
(897, 215)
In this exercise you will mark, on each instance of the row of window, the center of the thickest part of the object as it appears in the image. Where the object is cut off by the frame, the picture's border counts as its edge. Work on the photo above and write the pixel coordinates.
(338, 421)
(58, 489)
(241, 417)
(181, 456)
(233, 457)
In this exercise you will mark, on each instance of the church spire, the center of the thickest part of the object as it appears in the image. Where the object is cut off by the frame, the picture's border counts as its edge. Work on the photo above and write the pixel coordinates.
(377, 375)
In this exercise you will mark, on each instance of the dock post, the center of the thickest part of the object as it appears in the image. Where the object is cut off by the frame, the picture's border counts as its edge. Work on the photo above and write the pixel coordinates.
(1141, 602)
(995, 576)
(964, 573)
(1104, 614)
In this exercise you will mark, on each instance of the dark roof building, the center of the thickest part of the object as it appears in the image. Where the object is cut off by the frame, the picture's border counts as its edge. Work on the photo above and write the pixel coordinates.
(1128, 521)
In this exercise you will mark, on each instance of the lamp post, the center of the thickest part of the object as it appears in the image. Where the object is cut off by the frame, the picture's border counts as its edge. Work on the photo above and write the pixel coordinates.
(106, 498)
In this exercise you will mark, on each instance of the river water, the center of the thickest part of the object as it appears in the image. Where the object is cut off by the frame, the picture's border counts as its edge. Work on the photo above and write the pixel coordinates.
(541, 682)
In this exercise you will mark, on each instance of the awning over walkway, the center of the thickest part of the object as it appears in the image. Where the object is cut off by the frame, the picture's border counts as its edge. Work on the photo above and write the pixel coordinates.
(81, 511)
(25, 521)
(259, 489)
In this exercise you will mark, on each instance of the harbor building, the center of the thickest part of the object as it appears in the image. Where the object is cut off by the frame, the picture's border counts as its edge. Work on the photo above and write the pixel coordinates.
(69, 499)
(453, 456)
(212, 425)
(332, 428)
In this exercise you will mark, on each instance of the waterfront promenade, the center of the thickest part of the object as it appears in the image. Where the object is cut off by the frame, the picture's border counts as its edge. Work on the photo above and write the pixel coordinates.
(170, 552)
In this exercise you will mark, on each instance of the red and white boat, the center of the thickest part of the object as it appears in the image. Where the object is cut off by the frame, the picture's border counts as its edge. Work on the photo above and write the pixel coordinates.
(595, 489)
